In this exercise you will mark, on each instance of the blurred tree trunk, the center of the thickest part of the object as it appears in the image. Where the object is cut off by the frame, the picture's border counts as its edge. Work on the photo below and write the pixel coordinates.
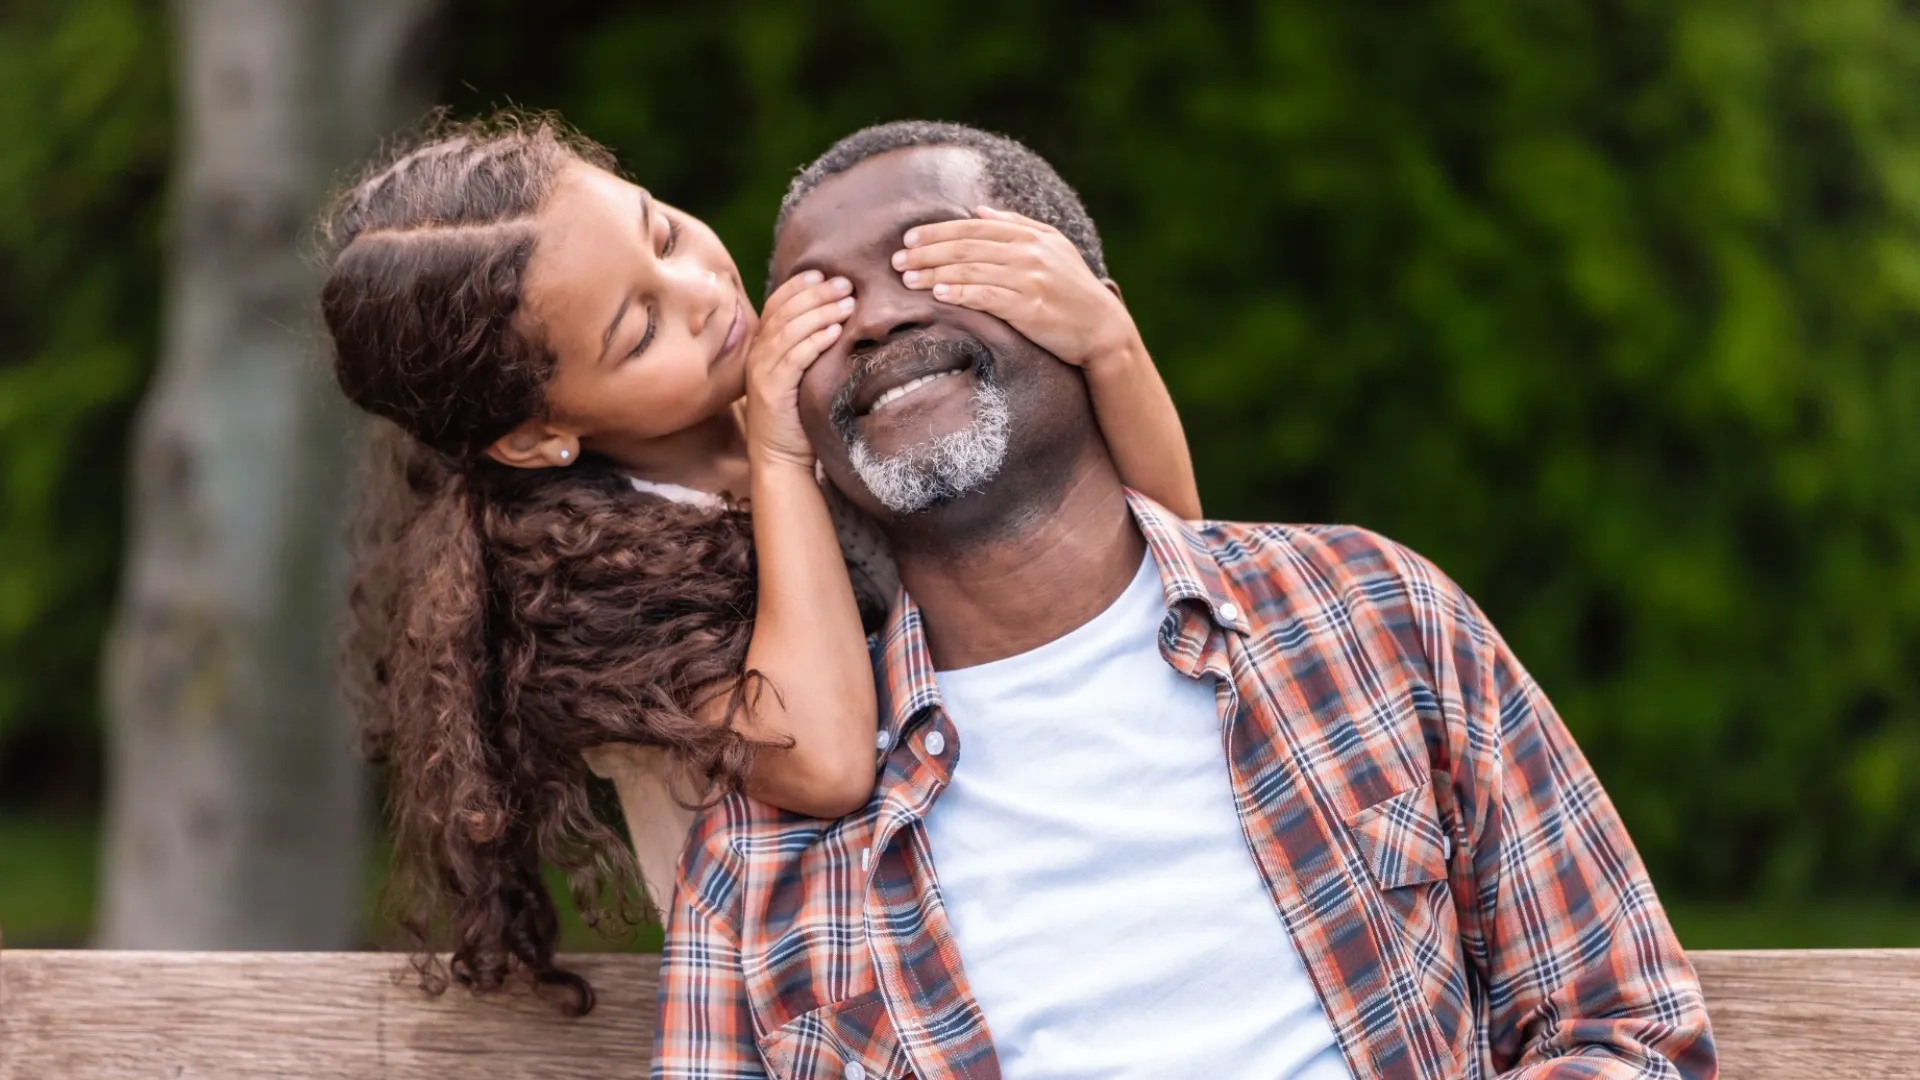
(234, 815)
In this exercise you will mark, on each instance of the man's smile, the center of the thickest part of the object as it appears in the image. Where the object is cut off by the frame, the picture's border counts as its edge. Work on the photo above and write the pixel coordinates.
(901, 369)
(906, 388)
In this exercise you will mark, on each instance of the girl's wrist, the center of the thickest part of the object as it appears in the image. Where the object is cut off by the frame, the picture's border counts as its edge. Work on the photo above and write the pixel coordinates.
(1126, 355)
(779, 467)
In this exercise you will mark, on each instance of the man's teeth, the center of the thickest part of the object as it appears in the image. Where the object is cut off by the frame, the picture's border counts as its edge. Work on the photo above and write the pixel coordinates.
(906, 388)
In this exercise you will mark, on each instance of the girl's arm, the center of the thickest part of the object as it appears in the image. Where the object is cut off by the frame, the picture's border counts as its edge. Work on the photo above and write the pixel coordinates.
(1027, 273)
(1142, 427)
(817, 687)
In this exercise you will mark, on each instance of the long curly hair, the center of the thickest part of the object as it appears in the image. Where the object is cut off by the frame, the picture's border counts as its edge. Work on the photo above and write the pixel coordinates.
(502, 621)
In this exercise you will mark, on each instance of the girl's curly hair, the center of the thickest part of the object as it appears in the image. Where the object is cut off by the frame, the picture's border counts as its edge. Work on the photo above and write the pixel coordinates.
(503, 621)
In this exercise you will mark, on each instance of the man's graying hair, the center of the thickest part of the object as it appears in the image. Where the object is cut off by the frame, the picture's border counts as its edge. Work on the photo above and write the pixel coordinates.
(1017, 178)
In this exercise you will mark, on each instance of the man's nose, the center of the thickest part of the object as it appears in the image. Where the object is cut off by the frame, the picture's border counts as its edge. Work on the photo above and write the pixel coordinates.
(884, 309)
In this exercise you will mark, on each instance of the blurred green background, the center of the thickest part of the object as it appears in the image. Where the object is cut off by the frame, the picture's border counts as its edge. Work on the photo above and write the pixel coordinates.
(1610, 307)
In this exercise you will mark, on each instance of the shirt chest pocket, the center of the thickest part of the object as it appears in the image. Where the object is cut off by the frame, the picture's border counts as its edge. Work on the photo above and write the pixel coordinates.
(1408, 843)
(848, 1040)
(1405, 840)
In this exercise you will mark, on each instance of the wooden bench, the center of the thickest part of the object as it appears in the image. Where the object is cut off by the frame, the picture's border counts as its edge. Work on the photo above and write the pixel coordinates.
(342, 1016)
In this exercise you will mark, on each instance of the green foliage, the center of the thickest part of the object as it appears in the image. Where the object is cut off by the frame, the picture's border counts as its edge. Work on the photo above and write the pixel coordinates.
(1608, 306)
(83, 144)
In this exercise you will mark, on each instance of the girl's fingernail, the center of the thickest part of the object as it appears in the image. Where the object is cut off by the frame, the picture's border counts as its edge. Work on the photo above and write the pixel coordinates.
(846, 304)
(941, 291)
(833, 329)
(912, 237)
(812, 277)
(911, 277)
(899, 260)
(841, 284)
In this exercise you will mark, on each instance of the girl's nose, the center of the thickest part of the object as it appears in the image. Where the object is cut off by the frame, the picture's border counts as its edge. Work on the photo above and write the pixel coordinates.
(707, 299)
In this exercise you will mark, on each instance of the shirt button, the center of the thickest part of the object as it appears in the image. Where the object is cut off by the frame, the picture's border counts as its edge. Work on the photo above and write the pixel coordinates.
(1229, 611)
(853, 1071)
(884, 739)
(865, 854)
(935, 743)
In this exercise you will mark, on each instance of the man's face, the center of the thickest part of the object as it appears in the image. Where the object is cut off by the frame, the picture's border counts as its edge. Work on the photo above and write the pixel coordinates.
(918, 403)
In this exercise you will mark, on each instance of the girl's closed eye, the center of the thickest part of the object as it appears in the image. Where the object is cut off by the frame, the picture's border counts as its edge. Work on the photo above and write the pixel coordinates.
(666, 249)
(646, 338)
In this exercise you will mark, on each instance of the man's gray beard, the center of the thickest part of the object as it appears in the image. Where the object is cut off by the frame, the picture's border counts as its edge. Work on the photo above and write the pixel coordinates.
(943, 469)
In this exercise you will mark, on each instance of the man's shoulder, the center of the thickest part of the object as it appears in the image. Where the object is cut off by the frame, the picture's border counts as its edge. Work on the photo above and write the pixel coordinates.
(709, 872)
(1329, 581)
(1345, 561)
(738, 838)
(723, 838)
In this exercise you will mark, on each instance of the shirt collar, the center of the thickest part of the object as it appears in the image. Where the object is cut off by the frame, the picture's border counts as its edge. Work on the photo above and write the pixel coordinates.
(1189, 567)
(1189, 572)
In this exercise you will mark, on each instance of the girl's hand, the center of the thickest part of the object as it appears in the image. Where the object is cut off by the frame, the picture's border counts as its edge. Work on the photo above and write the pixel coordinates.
(802, 318)
(1025, 272)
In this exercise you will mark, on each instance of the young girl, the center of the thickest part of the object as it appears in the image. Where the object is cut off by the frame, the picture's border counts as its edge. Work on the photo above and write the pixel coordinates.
(555, 557)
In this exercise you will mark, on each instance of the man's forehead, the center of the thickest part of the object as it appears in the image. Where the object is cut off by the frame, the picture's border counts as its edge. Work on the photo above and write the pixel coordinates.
(873, 197)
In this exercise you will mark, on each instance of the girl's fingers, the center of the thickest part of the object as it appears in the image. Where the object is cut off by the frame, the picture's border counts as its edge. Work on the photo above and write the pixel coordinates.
(791, 333)
(786, 290)
(991, 213)
(810, 348)
(957, 251)
(812, 292)
(783, 374)
(1006, 276)
(997, 300)
(963, 229)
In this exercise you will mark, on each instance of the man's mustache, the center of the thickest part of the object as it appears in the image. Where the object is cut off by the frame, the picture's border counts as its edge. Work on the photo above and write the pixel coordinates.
(920, 347)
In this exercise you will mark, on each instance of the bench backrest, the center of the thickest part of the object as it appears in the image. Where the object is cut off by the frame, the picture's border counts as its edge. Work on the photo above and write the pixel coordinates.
(357, 1016)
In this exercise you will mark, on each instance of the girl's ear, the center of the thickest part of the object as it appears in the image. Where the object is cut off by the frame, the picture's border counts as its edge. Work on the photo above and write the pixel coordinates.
(1113, 287)
(536, 444)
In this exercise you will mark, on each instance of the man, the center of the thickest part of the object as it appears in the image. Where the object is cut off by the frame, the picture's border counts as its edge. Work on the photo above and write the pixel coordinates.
(1154, 800)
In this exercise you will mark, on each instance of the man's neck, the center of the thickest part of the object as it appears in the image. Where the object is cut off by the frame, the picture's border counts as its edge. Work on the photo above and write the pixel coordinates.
(988, 598)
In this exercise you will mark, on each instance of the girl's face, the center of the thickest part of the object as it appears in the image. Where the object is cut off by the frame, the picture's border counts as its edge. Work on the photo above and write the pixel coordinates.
(644, 310)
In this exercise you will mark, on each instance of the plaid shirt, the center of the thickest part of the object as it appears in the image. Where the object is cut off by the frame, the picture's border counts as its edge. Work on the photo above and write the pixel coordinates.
(1458, 885)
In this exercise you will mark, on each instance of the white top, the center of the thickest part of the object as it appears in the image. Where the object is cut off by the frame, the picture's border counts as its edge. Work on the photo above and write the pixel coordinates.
(1108, 911)
(654, 788)
(680, 493)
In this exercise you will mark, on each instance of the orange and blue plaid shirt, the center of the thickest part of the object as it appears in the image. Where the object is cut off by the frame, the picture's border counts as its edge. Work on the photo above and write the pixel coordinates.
(1459, 887)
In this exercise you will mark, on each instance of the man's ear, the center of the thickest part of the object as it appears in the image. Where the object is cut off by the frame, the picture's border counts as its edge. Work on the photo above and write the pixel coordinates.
(1113, 287)
(536, 444)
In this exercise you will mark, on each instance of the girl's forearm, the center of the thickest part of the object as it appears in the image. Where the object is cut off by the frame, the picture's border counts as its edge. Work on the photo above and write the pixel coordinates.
(809, 645)
(1142, 428)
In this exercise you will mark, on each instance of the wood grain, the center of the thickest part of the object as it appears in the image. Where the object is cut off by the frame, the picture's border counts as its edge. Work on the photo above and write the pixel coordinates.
(343, 1016)
(1850, 1013)
(326, 1016)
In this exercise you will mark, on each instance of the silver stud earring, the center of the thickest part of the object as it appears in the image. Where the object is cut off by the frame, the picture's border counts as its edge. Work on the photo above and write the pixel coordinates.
(565, 454)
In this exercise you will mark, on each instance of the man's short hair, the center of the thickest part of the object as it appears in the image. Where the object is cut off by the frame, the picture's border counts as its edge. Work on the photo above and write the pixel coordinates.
(1017, 178)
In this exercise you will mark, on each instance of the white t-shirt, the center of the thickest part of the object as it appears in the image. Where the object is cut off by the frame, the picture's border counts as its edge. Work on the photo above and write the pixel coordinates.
(1108, 911)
